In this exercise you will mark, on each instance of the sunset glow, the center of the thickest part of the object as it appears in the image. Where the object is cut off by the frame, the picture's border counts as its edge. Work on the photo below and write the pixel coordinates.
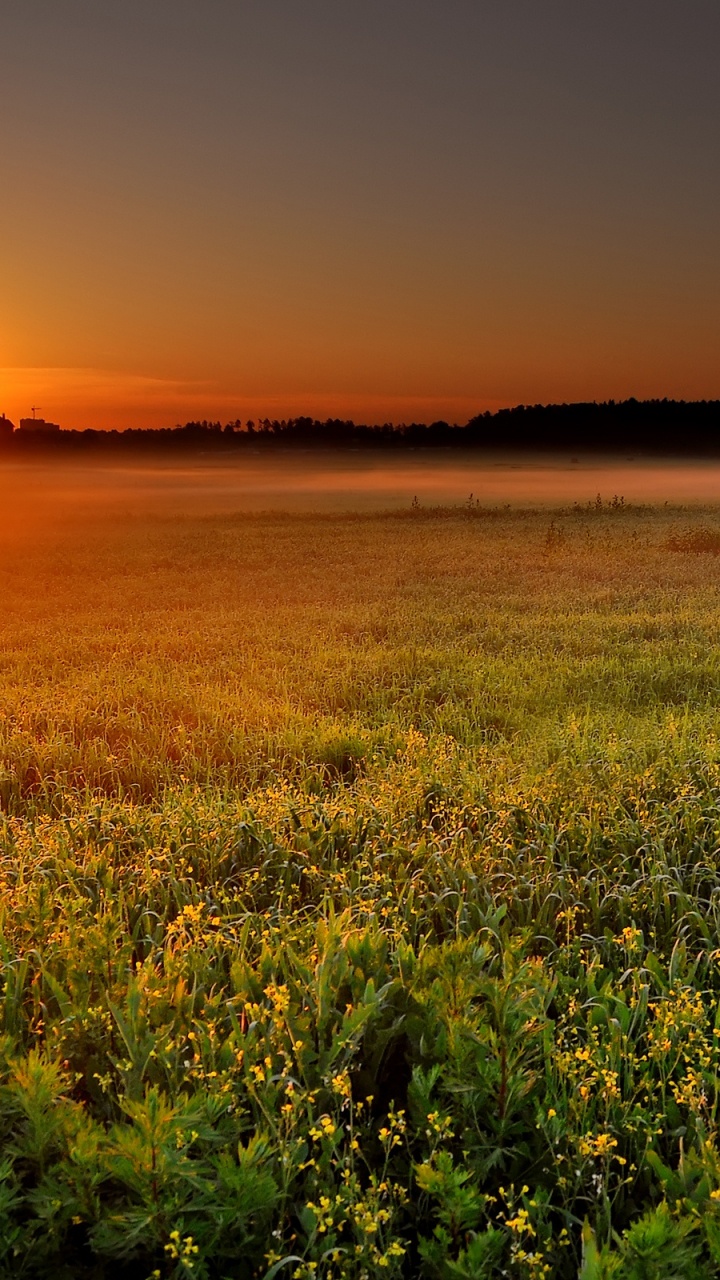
(401, 213)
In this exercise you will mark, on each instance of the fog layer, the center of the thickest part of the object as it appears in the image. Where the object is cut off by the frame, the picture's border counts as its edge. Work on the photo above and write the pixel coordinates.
(52, 496)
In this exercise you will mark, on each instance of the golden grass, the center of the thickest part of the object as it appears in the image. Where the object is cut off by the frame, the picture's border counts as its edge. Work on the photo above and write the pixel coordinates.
(360, 895)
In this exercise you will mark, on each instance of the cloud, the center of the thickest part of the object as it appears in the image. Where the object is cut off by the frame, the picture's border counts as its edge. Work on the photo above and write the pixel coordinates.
(103, 385)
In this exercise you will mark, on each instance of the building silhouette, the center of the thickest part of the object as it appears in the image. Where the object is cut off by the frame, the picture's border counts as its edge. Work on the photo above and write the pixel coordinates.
(37, 424)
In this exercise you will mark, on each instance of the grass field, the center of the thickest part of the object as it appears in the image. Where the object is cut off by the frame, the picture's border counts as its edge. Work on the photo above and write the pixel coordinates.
(361, 896)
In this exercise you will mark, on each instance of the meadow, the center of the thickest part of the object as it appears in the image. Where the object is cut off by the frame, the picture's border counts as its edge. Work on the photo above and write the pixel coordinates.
(360, 895)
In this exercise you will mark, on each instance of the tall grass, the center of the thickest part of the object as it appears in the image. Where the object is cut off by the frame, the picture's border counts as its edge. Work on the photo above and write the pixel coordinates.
(360, 898)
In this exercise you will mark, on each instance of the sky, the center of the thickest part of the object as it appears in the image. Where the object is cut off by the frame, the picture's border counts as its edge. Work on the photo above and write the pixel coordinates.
(389, 210)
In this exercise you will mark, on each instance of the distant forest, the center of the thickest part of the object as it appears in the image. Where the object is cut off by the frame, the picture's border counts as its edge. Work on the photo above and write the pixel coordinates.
(647, 426)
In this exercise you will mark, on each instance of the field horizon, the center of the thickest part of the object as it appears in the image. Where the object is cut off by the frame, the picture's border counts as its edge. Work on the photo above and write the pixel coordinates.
(53, 493)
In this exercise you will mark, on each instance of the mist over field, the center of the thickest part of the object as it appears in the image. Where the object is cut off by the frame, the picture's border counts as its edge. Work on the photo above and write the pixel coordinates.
(55, 495)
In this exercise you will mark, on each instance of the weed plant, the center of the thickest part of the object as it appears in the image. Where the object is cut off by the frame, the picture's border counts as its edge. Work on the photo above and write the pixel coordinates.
(360, 898)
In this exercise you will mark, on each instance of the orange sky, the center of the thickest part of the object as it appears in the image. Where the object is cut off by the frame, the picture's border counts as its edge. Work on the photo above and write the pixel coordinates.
(386, 214)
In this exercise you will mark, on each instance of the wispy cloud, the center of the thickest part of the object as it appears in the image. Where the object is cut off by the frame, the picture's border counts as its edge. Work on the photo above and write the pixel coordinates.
(84, 397)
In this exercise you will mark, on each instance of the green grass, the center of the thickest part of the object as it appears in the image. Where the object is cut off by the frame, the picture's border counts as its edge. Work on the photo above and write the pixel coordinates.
(360, 897)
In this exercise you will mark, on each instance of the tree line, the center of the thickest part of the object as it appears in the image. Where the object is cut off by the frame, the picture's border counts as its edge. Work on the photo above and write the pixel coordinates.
(653, 426)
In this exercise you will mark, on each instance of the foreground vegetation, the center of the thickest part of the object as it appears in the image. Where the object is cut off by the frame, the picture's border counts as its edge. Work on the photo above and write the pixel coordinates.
(360, 897)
